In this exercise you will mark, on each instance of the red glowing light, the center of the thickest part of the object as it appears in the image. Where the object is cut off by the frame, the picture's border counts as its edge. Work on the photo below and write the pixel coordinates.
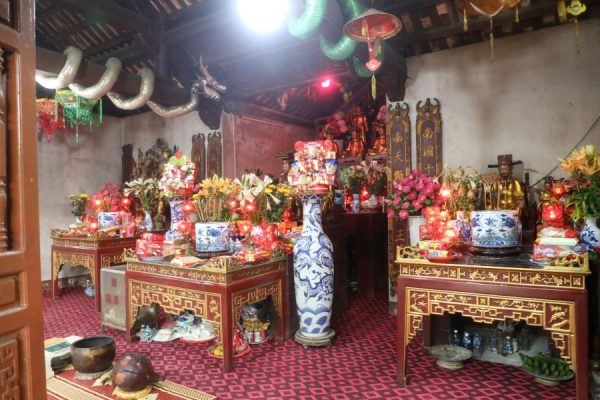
(446, 193)
(126, 200)
(93, 226)
(326, 83)
(97, 202)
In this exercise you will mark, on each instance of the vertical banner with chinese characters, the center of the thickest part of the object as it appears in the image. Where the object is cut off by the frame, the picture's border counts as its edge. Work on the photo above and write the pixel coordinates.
(429, 137)
(399, 165)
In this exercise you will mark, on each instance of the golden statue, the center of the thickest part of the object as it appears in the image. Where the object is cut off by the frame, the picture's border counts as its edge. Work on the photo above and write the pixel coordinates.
(356, 146)
(380, 144)
(359, 121)
(507, 190)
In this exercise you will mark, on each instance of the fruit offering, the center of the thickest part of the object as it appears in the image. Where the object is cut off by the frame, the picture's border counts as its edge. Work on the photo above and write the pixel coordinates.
(546, 365)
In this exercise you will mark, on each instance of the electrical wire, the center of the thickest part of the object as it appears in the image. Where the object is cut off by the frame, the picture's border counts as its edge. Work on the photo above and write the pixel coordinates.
(574, 147)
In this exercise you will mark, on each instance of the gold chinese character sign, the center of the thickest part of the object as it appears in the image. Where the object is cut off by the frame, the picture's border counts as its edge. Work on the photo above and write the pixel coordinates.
(429, 137)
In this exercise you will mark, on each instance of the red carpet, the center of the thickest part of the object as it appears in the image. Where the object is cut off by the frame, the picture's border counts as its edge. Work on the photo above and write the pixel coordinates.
(360, 365)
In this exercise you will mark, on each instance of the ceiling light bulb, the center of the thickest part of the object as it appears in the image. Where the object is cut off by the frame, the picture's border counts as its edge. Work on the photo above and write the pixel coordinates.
(263, 15)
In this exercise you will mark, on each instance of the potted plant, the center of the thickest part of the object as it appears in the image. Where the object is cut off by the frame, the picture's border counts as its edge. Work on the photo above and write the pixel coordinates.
(356, 179)
(459, 193)
(107, 203)
(584, 198)
(149, 195)
(213, 215)
(78, 205)
(376, 179)
(409, 197)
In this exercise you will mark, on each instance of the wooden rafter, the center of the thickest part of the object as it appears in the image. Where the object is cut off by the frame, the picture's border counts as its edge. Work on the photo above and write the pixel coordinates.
(109, 11)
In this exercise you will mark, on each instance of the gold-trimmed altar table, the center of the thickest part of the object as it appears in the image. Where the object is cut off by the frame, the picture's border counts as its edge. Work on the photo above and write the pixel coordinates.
(92, 253)
(553, 298)
(213, 293)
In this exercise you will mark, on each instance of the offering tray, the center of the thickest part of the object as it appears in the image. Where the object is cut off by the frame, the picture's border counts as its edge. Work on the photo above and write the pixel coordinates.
(450, 357)
(549, 380)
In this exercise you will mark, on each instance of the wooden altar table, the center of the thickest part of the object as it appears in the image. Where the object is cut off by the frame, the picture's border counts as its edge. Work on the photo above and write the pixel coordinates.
(92, 253)
(553, 298)
(212, 293)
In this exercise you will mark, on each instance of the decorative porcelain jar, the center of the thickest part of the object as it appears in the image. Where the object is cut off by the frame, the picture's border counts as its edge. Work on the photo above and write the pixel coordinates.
(313, 272)
(590, 234)
(355, 203)
(109, 219)
(212, 237)
(496, 229)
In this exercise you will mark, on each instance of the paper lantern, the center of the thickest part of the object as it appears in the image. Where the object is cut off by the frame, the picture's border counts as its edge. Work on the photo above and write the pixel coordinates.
(49, 117)
(77, 111)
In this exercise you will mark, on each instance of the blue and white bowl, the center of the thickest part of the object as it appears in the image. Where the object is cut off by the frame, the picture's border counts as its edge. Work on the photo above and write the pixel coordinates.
(109, 219)
(495, 229)
(212, 236)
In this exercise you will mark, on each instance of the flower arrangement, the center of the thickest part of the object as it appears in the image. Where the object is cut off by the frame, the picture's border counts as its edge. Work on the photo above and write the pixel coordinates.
(584, 167)
(106, 199)
(178, 176)
(314, 166)
(147, 191)
(78, 203)
(356, 178)
(275, 201)
(211, 202)
(410, 195)
(376, 177)
(459, 188)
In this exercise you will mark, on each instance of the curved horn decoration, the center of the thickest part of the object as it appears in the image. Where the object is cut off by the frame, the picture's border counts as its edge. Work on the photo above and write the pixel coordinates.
(212, 82)
(175, 111)
(202, 87)
(310, 20)
(361, 70)
(345, 46)
(104, 84)
(146, 90)
(66, 75)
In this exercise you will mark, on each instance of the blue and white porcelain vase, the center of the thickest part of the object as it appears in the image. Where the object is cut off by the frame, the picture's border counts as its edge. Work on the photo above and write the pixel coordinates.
(177, 215)
(148, 223)
(495, 228)
(313, 272)
(590, 234)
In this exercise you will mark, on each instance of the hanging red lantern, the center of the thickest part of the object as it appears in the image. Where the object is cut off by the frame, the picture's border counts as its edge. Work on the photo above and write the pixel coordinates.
(553, 214)
(372, 27)
(49, 117)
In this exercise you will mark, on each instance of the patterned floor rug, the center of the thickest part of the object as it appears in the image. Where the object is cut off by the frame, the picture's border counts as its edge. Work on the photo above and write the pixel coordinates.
(360, 365)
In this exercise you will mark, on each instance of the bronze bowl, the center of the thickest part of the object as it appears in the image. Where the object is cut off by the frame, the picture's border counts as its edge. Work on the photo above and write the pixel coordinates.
(92, 356)
(133, 373)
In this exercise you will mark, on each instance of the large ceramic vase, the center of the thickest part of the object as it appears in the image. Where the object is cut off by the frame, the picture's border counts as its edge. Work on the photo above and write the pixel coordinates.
(212, 237)
(590, 234)
(313, 272)
(177, 215)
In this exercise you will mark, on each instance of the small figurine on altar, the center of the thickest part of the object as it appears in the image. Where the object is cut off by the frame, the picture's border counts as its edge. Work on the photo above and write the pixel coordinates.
(380, 144)
(507, 189)
(359, 121)
(356, 146)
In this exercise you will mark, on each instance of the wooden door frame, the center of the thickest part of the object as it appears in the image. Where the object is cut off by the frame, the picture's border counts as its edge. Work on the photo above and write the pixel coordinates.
(21, 328)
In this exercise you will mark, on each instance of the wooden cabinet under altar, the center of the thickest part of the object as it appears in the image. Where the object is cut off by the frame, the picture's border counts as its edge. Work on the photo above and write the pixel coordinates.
(215, 291)
(494, 289)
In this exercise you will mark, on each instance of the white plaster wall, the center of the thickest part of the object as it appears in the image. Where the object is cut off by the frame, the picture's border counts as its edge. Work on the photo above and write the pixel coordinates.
(142, 130)
(535, 100)
(66, 166)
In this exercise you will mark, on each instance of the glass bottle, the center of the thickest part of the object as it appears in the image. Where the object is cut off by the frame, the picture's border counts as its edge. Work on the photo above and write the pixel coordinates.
(507, 346)
(142, 333)
(456, 338)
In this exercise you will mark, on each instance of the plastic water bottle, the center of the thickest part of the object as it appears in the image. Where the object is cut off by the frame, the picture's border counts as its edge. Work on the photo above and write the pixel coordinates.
(467, 344)
(148, 333)
(477, 344)
(142, 333)
(456, 338)
(493, 343)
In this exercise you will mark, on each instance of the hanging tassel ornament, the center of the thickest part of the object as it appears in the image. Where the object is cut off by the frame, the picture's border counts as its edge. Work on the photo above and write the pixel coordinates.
(576, 8)
(491, 39)
(373, 87)
(465, 25)
(517, 14)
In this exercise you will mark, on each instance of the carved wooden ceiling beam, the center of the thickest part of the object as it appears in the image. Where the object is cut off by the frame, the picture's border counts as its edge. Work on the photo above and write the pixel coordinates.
(108, 11)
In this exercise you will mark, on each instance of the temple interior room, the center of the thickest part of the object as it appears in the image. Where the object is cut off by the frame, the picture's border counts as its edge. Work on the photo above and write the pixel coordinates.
(299, 199)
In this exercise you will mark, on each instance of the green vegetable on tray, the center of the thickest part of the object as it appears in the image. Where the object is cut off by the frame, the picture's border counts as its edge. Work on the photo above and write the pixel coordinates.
(546, 365)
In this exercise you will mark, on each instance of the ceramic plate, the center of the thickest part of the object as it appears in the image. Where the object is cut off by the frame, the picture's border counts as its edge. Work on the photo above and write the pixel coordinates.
(152, 259)
(549, 380)
(164, 335)
(196, 339)
(452, 257)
